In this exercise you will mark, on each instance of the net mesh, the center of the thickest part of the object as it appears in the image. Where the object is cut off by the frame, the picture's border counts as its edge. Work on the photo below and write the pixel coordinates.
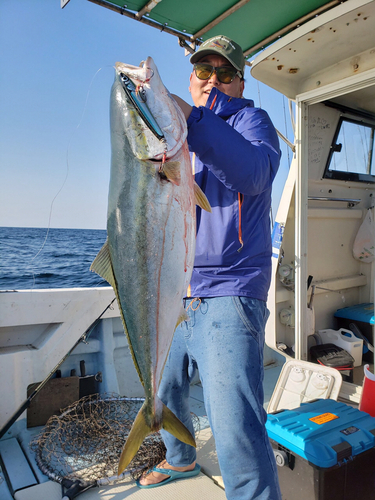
(86, 440)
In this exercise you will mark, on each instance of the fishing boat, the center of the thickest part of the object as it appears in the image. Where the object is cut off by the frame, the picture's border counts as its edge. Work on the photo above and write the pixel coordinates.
(70, 342)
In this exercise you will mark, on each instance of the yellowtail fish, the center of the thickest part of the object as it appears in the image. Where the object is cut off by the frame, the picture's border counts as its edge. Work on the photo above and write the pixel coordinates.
(149, 253)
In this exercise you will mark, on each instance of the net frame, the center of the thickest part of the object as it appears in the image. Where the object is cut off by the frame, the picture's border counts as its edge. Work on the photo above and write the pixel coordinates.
(81, 447)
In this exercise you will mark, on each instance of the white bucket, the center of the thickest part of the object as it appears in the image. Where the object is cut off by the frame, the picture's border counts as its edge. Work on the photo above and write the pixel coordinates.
(352, 344)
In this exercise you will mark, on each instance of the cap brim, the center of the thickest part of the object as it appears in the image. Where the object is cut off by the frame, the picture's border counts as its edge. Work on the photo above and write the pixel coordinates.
(197, 56)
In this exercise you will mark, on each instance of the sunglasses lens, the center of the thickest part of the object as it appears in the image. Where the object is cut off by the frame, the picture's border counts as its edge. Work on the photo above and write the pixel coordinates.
(203, 71)
(224, 75)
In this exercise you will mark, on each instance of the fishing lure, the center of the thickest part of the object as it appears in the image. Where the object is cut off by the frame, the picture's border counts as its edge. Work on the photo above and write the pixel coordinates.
(137, 96)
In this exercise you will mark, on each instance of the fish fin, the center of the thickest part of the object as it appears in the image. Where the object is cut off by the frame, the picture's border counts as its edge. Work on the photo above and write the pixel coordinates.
(201, 199)
(182, 317)
(173, 425)
(171, 170)
(102, 265)
(140, 429)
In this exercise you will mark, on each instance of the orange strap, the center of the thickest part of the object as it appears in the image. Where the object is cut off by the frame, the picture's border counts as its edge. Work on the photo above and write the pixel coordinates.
(240, 200)
(213, 102)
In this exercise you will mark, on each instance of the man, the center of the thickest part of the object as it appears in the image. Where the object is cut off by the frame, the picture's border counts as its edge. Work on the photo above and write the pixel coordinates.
(235, 157)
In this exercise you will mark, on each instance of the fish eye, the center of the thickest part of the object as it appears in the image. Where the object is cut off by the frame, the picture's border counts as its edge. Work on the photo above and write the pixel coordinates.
(124, 78)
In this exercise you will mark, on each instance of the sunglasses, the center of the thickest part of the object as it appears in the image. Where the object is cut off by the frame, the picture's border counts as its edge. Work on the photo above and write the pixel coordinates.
(225, 74)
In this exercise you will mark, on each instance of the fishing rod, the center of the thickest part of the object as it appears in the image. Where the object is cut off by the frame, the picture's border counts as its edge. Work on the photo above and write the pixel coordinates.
(36, 391)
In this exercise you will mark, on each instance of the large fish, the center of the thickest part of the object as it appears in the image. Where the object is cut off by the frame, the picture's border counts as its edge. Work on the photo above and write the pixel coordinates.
(149, 253)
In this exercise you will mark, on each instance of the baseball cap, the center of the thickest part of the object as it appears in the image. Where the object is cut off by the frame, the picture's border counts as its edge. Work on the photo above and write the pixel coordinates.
(222, 46)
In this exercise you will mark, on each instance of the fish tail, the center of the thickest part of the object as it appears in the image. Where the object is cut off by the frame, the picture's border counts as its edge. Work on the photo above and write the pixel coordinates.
(174, 425)
(141, 428)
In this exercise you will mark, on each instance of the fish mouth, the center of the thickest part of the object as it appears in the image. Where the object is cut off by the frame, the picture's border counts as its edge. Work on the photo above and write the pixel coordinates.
(167, 123)
(139, 74)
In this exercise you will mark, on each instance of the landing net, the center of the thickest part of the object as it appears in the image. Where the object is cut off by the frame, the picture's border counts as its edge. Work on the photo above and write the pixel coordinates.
(81, 447)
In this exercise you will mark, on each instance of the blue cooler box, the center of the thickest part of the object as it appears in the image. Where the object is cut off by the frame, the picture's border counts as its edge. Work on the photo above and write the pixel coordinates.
(325, 450)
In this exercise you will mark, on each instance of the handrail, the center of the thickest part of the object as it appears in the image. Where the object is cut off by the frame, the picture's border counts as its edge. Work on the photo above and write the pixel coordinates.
(350, 201)
(287, 141)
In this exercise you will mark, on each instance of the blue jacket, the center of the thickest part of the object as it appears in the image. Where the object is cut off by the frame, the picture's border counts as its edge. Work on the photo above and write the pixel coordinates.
(236, 157)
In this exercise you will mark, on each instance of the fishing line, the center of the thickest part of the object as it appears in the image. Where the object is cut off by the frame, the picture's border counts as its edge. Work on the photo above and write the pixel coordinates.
(291, 113)
(286, 128)
(260, 104)
(67, 170)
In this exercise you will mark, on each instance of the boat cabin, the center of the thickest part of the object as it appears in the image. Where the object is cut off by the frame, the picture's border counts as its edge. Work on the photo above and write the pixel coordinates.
(323, 239)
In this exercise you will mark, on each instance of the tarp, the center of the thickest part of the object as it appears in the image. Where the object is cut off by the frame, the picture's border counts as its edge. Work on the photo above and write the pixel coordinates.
(254, 24)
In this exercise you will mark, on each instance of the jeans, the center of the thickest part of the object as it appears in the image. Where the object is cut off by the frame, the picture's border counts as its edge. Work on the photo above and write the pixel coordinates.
(224, 338)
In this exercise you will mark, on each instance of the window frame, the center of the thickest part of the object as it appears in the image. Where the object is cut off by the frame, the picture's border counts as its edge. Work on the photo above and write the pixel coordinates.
(342, 175)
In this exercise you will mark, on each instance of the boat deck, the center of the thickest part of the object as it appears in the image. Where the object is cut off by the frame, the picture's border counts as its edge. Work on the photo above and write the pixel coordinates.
(208, 484)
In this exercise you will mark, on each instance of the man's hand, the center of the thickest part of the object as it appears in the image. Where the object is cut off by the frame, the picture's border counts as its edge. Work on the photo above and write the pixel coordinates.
(186, 108)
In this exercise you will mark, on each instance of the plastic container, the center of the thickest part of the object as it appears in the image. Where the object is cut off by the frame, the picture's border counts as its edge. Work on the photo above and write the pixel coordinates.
(367, 402)
(346, 340)
(302, 381)
(325, 451)
(362, 315)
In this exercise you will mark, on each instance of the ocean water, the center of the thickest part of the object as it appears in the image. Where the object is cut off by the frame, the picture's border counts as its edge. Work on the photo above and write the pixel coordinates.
(33, 258)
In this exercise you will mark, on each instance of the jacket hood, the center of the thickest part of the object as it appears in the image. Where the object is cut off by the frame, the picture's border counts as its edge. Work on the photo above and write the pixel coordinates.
(225, 105)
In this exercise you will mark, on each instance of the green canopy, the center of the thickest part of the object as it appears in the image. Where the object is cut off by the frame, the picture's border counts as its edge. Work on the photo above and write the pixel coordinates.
(254, 24)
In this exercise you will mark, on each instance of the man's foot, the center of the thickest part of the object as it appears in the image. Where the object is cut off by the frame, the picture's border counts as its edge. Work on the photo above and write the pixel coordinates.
(154, 477)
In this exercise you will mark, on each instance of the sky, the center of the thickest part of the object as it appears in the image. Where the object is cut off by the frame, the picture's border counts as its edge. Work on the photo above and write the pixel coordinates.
(56, 73)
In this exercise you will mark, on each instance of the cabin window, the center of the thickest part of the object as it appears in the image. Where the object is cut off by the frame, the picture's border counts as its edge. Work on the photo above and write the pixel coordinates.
(351, 156)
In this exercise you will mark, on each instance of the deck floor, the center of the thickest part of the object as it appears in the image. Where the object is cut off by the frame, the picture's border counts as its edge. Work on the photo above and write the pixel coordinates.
(208, 484)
